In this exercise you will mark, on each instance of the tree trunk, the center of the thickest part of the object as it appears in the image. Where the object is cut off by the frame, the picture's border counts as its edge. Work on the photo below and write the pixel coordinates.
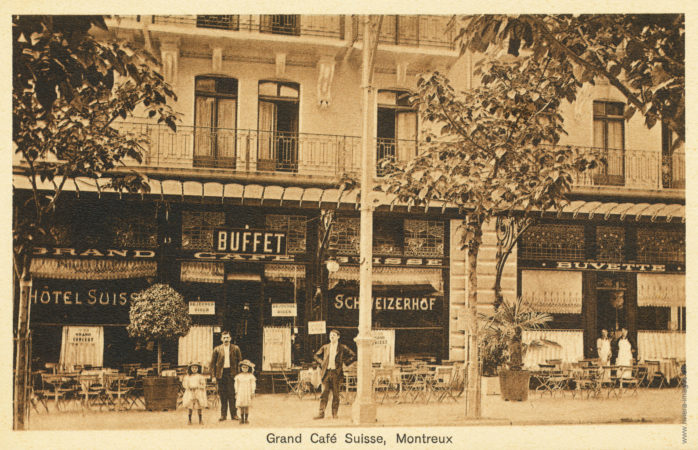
(159, 358)
(473, 390)
(21, 411)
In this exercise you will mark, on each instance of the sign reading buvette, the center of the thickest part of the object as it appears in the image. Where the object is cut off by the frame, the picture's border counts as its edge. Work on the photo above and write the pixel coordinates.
(244, 240)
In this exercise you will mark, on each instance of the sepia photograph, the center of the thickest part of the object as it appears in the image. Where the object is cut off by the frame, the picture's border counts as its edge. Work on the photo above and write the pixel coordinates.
(318, 226)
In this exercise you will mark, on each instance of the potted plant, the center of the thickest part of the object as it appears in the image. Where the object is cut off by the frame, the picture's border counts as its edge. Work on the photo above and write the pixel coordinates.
(159, 313)
(503, 349)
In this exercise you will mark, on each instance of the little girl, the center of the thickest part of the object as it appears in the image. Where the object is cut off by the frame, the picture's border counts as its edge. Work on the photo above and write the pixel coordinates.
(245, 385)
(194, 385)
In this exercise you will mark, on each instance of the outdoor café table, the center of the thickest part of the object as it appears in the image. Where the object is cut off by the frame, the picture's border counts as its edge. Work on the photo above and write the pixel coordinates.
(669, 369)
(61, 386)
(414, 383)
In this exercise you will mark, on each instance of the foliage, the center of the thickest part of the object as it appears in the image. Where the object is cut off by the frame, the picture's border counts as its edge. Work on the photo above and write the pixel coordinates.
(68, 91)
(642, 55)
(502, 330)
(158, 313)
(495, 154)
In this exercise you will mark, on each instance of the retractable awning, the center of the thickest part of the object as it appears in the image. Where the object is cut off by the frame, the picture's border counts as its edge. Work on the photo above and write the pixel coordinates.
(91, 269)
(661, 289)
(386, 276)
(552, 291)
(202, 272)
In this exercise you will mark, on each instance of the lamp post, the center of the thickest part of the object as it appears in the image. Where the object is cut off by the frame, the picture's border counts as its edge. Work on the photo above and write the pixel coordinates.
(364, 409)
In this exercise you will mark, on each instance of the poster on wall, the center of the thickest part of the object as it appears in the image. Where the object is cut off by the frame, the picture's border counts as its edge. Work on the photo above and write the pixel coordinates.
(283, 310)
(202, 308)
(317, 327)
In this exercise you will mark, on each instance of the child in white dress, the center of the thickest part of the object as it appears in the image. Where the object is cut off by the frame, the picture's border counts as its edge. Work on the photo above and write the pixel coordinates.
(194, 385)
(245, 385)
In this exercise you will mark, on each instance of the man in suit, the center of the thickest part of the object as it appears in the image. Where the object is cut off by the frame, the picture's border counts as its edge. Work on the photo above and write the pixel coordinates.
(224, 366)
(332, 357)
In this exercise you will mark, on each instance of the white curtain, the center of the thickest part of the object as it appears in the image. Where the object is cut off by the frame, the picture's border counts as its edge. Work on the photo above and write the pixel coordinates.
(204, 124)
(196, 346)
(277, 347)
(552, 291)
(384, 347)
(571, 346)
(267, 113)
(661, 344)
(406, 141)
(661, 289)
(81, 346)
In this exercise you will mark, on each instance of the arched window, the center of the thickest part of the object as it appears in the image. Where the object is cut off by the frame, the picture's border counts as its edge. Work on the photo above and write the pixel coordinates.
(215, 118)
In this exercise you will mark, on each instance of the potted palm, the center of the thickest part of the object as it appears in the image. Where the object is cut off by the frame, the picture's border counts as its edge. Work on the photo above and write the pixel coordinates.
(159, 313)
(503, 349)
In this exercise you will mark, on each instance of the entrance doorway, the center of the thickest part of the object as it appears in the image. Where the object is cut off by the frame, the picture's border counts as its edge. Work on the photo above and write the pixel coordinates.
(611, 303)
(242, 318)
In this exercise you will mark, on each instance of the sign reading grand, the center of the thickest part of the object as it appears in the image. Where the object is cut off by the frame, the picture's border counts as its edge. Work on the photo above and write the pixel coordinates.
(121, 253)
(251, 242)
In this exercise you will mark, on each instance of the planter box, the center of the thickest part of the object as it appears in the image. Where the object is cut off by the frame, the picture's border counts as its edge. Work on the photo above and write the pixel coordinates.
(490, 385)
(514, 384)
(160, 393)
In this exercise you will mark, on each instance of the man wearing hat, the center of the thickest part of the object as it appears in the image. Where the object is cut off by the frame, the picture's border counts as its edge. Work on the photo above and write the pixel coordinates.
(332, 357)
(224, 366)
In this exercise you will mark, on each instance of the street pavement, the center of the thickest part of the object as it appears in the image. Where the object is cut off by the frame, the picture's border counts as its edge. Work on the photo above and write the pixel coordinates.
(279, 411)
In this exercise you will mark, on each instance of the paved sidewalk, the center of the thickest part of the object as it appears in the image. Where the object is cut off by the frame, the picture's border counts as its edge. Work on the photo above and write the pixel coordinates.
(283, 411)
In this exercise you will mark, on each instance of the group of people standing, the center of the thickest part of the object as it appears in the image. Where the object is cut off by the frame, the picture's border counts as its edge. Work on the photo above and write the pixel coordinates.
(619, 350)
(236, 382)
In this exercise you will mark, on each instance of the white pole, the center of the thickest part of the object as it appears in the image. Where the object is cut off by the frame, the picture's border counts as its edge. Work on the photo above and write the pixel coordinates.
(364, 409)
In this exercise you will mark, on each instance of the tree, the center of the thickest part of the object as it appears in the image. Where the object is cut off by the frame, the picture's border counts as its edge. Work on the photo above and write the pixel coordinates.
(494, 156)
(68, 92)
(641, 55)
(158, 313)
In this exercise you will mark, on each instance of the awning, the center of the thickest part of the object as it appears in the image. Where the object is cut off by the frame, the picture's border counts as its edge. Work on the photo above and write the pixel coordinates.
(243, 277)
(92, 269)
(284, 271)
(661, 289)
(552, 291)
(202, 272)
(323, 197)
(391, 276)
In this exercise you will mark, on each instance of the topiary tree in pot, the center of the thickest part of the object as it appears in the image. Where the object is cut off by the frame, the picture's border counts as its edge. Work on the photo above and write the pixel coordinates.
(503, 349)
(158, 313)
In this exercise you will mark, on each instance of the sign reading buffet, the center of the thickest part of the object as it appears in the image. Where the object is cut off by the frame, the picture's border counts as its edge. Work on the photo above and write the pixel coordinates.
(237, 240)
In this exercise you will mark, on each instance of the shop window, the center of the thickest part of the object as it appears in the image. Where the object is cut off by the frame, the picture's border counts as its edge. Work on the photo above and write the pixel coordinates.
(280, 24)
(198, 228)
(657, 245)
(424, 238)
(215, 118)
(552, 241)
(396, 130)
(295, 228)
(219, 22)
(344, 236)
(610, 243)
(387, 236)
(609, 138)
(653, 318)
(278, 126)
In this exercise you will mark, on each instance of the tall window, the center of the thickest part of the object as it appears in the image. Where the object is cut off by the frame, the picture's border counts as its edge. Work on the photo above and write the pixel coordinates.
(609, 137)
(280, 24)
(215, 118)
(397, 127)
(278, 126)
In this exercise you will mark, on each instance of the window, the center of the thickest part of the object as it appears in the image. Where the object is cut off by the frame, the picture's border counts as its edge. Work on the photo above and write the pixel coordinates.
(278, 126)
(653, 318)
(387, 236)
(609, 138)
(550, 241)
(280, 24)
(198, 228)
(344, 236)
(424, 238)
(294, 227)
(218, 22)
(610, 243)
(658, 246)
(215, 118)
(396, 130)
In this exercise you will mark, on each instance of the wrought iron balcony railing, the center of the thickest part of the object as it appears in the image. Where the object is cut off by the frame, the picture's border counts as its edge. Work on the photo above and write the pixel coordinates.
(258, 151)
(286, 24)
(417, 31)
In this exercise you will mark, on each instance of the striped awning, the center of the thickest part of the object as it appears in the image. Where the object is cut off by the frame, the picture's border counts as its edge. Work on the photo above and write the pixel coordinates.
(91, 269)
(201, 272)
(284, 271)
(326, 198)
(552, 291)
(386, 276)
(661, 289)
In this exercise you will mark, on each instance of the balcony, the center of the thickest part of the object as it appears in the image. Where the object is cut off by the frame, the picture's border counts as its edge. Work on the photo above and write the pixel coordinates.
(323, 155)
(290, 25)
(414, 31)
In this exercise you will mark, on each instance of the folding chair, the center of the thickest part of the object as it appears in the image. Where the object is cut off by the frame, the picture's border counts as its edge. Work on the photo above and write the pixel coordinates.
(653, 368)
(628, 379)
(212, 393)
(277, 376)
(38, 393)
(116, 389)
(444, 384)
(383, 383)
(135, 394)
(349, 385)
